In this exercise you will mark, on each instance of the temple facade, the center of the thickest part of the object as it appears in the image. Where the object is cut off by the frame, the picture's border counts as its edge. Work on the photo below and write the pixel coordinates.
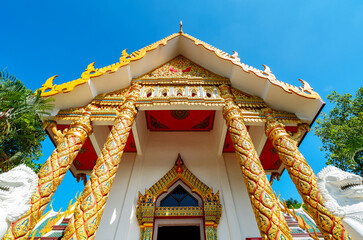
(179, 140)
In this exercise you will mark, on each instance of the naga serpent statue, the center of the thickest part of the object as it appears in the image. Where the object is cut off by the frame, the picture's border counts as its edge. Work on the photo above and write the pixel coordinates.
(16, 189)
(343, 195)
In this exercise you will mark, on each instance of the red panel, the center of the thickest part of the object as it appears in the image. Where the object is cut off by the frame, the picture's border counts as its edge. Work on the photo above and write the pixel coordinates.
(180, 120)
(228, 145)
(130, 144)
(87, 157)
(269, 158)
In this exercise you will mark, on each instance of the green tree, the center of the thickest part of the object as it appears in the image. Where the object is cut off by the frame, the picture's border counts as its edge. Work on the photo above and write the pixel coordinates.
(293, 203)
(21, 131)
(341, 131)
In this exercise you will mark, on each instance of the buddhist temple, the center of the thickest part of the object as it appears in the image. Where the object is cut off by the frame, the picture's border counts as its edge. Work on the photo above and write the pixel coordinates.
(179, 140)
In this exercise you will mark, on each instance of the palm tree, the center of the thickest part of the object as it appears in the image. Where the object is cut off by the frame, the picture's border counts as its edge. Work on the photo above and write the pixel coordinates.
(21, 130)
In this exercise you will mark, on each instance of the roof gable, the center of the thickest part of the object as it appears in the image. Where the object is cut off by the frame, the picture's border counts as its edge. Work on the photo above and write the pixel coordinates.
(144, 66)
(49, 89)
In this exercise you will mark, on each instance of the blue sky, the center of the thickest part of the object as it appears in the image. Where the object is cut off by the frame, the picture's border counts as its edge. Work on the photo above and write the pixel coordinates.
(318, 41)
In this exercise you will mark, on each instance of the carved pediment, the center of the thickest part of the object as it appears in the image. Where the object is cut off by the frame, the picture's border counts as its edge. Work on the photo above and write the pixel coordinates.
(181, 68)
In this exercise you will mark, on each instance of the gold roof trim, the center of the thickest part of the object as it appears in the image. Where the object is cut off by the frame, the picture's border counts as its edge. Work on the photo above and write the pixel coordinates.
(49, 89)
(305, 91)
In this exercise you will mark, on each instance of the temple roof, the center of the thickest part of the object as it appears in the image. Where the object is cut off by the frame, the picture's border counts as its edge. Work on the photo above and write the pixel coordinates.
(302, 101)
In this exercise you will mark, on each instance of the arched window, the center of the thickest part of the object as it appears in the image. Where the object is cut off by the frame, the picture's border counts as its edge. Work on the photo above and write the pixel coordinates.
(179, 197)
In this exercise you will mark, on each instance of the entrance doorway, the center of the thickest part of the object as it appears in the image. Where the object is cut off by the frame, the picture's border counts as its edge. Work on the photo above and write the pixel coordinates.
(178, 212)
(179, 233)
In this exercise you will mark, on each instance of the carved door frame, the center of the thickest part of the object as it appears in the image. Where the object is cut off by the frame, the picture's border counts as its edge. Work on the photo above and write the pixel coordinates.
(149, 213)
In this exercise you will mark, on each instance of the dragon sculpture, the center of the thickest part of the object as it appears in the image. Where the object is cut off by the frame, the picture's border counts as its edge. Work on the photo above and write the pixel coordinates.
(16, 189)
(343, 195)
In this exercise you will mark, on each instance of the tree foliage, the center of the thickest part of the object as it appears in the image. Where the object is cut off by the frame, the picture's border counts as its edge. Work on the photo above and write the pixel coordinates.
(341, 132)
(21, 131)
(293, 203)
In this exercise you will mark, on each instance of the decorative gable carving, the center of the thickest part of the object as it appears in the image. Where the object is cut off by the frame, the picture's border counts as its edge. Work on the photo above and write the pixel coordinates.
(181, 68)
(105, 105)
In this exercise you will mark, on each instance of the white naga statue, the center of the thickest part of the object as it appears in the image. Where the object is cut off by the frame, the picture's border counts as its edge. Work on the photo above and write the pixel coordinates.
(16, 189)
(343, 195)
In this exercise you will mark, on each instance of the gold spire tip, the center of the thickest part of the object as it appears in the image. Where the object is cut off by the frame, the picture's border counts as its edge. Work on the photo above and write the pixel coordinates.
(181, 27)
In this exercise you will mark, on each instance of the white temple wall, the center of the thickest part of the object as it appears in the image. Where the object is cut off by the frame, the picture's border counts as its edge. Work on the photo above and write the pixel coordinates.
(199, 153)
(111, 215)
(245, 215)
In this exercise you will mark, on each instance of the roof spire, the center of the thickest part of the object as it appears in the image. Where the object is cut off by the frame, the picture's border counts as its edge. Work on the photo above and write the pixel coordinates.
(181, 27)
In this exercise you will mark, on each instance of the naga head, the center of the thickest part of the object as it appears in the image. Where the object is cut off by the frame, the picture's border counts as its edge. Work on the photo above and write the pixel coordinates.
(340, 189)
(16, 189)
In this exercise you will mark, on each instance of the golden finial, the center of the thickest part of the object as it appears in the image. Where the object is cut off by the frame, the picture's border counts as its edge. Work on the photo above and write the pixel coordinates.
(181, 27)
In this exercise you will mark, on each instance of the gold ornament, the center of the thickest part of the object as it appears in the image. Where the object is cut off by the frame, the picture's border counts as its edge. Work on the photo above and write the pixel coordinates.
(50, 89)
(305, 91)
(51, 175)
(147, 211)
(88, 212)
(161, 95)
(301, 129)
(304, 178)
(270, 221)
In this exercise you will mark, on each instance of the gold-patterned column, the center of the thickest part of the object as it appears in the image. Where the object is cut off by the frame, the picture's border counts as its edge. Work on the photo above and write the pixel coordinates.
(89, 209)
(303, 177)
(270, 221)
(69, 143)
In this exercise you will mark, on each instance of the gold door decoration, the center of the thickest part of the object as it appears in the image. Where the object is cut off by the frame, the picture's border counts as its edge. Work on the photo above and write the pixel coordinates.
(147, 211)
